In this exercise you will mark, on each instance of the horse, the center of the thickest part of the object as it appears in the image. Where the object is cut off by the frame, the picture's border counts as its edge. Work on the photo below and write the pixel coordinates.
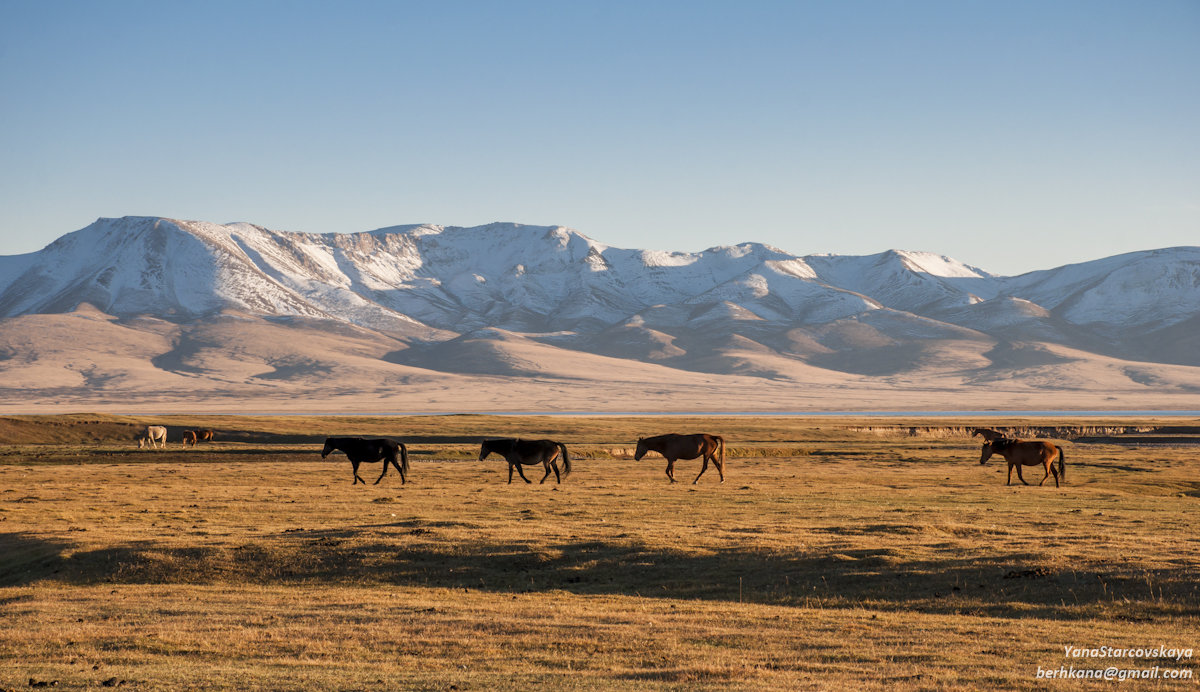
(1020, 453)
(672, 446)
(988, 434)
(359, 450)
(189, 438)
(152, 434)
(518, 452)
(204, 435)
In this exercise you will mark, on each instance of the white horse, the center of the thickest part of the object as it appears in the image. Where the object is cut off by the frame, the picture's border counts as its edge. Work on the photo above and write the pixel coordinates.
(152, 434)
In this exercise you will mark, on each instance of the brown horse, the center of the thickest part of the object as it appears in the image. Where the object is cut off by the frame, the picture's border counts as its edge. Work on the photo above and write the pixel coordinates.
(204, 435)
(1020, 453)
(988, 434)
(517, 452)
(189, 438)
(672, 446)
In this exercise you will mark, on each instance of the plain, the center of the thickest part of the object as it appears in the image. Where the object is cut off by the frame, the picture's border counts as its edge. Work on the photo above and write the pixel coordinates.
(839, 553)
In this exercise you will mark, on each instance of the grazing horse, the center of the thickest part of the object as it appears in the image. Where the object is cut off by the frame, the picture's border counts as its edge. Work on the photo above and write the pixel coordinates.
(204, 435)
(152, 434)
(672, 446)
(359, 450)
(189, 438)
(1020, 453)
(518, 452)
(988, 434)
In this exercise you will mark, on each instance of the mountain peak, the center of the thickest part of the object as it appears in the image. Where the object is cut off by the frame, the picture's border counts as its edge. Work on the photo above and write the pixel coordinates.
(430, 281)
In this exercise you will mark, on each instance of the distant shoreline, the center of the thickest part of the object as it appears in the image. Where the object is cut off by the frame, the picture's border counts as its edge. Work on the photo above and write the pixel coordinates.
(1133, 413)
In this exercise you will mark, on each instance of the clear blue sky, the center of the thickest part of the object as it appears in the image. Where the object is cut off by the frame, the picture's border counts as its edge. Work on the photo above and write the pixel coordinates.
(1010, 135)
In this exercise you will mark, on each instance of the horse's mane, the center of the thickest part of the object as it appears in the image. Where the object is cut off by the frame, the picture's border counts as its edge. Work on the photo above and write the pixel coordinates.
(501, 443)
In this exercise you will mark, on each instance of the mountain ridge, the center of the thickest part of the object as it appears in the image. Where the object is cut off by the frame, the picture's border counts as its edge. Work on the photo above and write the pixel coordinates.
(431, 293)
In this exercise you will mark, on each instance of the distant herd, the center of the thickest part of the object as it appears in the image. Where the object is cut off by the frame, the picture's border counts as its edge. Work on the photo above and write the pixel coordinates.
(519, 452)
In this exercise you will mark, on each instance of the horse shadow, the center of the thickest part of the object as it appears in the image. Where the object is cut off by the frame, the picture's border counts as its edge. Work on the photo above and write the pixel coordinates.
(29, 558)
(413, 553)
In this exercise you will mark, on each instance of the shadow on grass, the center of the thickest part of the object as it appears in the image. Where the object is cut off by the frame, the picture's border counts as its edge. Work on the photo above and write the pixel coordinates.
(28, 558)
(410, 553)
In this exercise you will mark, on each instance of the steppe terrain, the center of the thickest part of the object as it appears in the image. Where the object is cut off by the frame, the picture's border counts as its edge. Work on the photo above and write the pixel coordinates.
(847, 553)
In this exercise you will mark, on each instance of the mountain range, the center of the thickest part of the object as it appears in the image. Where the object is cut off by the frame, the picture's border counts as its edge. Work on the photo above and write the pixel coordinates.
(169, 314)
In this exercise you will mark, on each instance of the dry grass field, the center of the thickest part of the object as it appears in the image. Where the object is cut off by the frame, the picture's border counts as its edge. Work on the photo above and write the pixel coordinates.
(832, 557)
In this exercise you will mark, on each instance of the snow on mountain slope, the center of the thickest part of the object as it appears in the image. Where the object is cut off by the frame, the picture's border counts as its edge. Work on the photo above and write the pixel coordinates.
(126, 265)
(448, 285)
(918, 282)
(1154, 288)
(526, 278)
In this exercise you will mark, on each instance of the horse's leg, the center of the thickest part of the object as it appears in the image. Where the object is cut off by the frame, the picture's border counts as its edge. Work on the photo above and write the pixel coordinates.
(1046, 464)
(1050, 468)
(557, 477)
(385, 463)
(522, 473)
(671, 469)
(1010, 468)
(547, 465)
(399, 470)
(703, 468)
(510, 468)
(354, 468)
(1019, 475)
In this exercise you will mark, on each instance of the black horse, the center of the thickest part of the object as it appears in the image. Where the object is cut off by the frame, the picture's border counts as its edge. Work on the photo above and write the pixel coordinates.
(359, 450)
(518, 452)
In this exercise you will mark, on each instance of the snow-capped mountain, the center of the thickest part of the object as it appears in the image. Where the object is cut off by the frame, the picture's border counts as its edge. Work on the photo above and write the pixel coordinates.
(1151, 289)
(500, 298)
(527, 278)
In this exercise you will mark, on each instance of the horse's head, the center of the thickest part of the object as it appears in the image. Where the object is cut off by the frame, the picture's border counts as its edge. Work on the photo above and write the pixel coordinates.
(330, 445)
(641, 450)
(987, 452)
(484, 450)
(141, 443)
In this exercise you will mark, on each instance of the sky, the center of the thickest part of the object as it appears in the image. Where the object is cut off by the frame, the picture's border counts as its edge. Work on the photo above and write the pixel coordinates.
(1011, 135)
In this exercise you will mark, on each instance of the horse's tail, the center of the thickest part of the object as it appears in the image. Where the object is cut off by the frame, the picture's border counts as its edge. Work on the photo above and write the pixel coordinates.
(1062, 464)
(403, 457)
(566, 459)
(720, 447)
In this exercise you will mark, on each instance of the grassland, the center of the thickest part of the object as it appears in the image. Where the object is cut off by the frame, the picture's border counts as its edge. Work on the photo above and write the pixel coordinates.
(833, 557)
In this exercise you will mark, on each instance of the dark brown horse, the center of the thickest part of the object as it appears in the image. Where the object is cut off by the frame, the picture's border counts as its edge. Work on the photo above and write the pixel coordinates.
(988, 434)
(359, 450)
(672, 446)
(519, 452)
(204, 435)
(1020, 453)
(189, 438)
